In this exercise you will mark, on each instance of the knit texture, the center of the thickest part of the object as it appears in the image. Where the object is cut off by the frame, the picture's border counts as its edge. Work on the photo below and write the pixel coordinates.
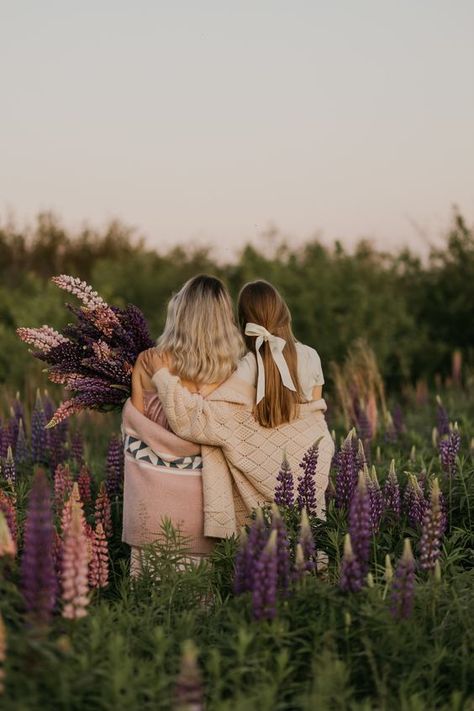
(241, 459)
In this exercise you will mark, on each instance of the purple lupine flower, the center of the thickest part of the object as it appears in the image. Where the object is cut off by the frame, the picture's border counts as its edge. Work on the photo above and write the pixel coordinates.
(306, 541)
(398, 420)
(39, 583)
(352, 575)
(38, 433)
(403, 585)
(283, 549)
(306, 482)
(22, 450)
(284, 490)
(9, 469)
(189, 691)
(114, 467)
(77, 448)
(249, 552)
(431, 530)
(414, 503)
(14, 426)
(347, 468)
(391, 493)
(18, 409)
(265, 581)
(442, 418)
(360, 524)
(376, 500)
(363, 426)
(449, 447)
(241, 578)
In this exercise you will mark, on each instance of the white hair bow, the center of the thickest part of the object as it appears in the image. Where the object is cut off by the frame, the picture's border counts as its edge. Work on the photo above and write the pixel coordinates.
(277, 345)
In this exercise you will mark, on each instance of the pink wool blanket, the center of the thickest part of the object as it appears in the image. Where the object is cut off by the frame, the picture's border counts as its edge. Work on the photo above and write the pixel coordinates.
(162, 478)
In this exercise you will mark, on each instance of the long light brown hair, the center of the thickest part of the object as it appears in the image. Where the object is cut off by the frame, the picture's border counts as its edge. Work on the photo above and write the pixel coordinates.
(260, 303)
(200, 333)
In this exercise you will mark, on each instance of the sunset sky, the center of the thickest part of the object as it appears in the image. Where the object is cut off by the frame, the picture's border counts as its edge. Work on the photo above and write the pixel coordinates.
(211, 120)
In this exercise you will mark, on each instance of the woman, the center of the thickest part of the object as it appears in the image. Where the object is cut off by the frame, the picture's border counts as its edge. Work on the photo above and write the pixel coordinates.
(163, 472)
(250, 423)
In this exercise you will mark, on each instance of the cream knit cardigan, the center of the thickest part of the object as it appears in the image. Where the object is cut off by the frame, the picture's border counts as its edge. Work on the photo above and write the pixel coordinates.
(241, 459)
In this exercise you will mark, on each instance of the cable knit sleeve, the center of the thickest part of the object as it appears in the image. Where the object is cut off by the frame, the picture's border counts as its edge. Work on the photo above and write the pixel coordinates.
(190, 416)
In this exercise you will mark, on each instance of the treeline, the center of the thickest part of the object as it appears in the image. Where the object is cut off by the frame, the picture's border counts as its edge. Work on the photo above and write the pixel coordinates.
(413, 314)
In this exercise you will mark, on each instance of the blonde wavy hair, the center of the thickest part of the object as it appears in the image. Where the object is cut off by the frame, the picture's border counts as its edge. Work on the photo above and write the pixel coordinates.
(200, 333)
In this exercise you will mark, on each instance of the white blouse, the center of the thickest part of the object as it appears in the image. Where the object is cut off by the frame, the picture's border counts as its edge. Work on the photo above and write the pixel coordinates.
(310, 373)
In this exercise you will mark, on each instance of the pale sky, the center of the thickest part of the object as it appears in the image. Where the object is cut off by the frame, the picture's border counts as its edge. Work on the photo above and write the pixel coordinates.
(209, 120)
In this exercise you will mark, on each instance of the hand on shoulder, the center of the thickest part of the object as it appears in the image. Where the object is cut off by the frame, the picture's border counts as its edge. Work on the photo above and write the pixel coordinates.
(151, 360)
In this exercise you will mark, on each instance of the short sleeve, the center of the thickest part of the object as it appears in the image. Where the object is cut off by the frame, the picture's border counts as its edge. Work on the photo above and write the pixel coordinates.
(313, 367)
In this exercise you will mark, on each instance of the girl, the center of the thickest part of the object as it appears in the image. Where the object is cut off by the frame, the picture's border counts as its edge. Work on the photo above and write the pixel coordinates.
(163, 472)
(271, 404)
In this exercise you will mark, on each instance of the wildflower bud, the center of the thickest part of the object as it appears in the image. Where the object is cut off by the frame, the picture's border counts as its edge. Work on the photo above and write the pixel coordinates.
(413, 454)
(437, 572)
(388, 574)
(333, 435)
(434, 436)
(378, 454)
(189, 692)
(370, 580)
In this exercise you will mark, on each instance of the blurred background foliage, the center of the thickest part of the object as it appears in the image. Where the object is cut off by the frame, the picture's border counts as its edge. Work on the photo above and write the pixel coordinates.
(413, 313)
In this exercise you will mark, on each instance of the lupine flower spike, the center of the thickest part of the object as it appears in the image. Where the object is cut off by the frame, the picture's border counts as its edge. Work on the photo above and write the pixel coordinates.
(9, 469)
(391, 493)
(432, 530)
(22, 451)
(189, 691)
(284, 490)
(84, 484)
(75, 558)
(352, 576)
(360, 524)
(241, 578)
(306, 541)
(414, 502)
(38, 575)
(250, 550)
(442, 418)
(99, 563)
(347, 467)
(264, 589)
(449, 447)
(114, 467)
(403, 585)
(103, 511)
(300, 564)
(376, 499)
(307, 482)
(38, 433)
(283, 549)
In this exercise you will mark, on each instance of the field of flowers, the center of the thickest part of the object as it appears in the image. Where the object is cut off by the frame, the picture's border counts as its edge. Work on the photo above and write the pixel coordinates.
(371, 609)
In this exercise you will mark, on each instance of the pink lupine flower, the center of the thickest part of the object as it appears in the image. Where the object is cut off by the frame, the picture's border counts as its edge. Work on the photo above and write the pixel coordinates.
(103, 511)
(7, 543)
(73, 500)
(65, 410)
(81, 289)
(99, 563)
(43, 338)
(102, 350)
(75, 588)
(84, 483)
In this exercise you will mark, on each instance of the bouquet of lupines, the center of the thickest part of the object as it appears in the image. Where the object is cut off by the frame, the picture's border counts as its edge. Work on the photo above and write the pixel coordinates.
(93, 357)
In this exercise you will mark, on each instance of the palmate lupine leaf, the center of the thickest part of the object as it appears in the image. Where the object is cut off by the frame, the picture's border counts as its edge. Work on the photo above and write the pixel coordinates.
(92, 357)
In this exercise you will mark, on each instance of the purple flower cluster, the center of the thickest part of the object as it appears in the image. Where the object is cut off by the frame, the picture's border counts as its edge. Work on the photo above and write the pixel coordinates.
(414, 502)
(403, 585)
(348, 462)
(282, 550)
(306, 482)
(250, 548)
(432, 530)
(360, 523)
(114, 467)
(39, 583)
(39, 443)
(391, 493)
(449, 447)
(94, 356)
(442, 418)
(265, 583)
(352, 575)
(284, 490)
